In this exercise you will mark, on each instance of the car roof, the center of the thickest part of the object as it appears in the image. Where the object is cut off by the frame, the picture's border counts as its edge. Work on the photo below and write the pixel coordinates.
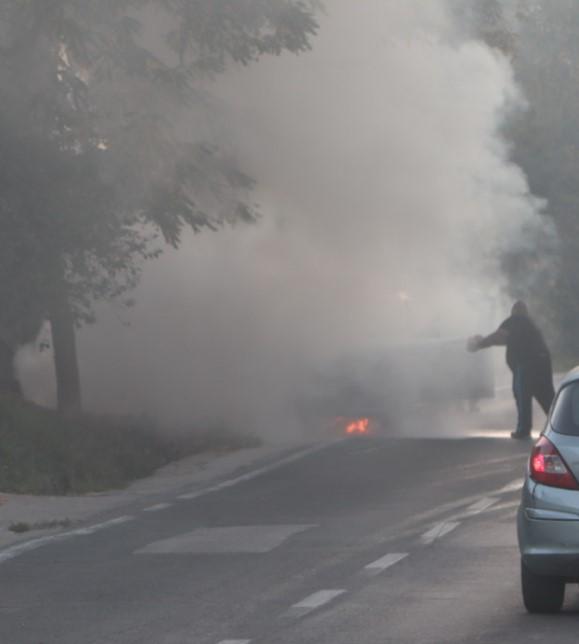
(572, 376)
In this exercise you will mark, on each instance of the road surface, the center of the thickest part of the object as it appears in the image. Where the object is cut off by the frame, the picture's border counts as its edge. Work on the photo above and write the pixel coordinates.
(367, 541)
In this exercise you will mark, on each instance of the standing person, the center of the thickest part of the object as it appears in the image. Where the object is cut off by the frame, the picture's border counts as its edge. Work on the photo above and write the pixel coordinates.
(528, 358)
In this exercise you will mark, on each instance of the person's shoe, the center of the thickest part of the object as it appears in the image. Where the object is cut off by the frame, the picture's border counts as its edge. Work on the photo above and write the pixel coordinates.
(520, 435)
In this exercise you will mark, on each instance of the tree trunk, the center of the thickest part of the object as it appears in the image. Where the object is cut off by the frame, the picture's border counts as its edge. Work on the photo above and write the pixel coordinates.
(8, 382)
(65, 353)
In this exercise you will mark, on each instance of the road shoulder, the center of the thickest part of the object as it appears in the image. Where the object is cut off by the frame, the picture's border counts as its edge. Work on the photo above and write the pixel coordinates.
(37, 516)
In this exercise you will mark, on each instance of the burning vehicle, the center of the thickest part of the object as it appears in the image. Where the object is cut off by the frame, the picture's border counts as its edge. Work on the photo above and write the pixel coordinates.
(416, 376)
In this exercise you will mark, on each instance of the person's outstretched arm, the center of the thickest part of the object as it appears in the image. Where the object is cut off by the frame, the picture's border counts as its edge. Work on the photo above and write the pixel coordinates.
(496, 339)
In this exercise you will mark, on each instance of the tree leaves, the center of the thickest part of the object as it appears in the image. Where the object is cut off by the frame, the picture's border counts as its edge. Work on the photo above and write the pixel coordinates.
(92, 172)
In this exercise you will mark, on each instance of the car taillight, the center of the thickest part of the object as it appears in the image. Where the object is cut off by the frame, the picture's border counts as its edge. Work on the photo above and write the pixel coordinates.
(548, 467)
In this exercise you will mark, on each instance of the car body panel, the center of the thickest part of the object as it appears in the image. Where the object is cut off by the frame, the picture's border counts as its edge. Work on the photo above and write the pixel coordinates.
(548, 517)
(568, 447)
(572, 376)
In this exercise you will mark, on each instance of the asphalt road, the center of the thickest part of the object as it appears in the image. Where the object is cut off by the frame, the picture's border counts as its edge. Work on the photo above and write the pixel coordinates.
(371, 540)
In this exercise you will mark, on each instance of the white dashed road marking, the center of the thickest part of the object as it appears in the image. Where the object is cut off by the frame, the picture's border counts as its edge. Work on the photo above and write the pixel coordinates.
(317, 600)
(482, 505)
(158, 507)
(512, 487)
(507, 505)
(385, 562)
(438, 531)
(235, 642)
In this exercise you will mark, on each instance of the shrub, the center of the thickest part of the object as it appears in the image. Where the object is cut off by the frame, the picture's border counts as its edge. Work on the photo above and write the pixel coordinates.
(42, 452)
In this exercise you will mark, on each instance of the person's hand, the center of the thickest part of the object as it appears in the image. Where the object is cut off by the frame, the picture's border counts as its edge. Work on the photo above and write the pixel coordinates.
(473, 343)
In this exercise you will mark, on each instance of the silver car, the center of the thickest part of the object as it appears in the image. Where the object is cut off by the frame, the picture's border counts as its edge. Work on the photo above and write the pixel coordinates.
(548, 518)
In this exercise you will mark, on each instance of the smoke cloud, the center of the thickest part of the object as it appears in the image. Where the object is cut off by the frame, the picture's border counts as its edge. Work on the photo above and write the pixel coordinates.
(387, 198)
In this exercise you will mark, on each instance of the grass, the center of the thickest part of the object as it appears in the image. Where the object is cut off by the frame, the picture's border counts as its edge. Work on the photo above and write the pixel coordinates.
(42, 452)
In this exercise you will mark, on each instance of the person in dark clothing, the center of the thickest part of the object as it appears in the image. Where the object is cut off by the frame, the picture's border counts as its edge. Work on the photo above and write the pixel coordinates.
(528, 358)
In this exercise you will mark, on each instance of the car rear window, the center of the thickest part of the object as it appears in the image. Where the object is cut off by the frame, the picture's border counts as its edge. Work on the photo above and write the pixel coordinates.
(565, 416)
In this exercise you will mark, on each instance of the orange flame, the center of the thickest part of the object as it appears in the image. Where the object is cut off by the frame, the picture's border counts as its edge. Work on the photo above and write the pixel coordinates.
(359, 426)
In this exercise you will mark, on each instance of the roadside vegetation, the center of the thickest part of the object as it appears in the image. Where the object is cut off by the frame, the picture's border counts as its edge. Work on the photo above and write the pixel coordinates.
(43, 452)
(96, 176)
(539, 39)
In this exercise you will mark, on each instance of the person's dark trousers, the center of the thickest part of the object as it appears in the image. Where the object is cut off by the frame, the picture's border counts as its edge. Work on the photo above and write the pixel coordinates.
(542, 386)
(522, 392)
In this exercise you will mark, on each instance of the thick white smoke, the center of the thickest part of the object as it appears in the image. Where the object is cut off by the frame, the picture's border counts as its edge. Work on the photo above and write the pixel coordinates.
(387, 196)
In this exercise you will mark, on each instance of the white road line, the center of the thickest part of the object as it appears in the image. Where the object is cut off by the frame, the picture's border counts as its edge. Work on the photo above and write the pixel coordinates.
(235, 642)
(317, 600)
(515, 486)
(507, 505)
(193, 495)
(14, 551)
(492, 461)
(249, 476)
(438, 531)
(482, 505)
(91, 529)
(385, 562)
(28, 546)
(158, 507)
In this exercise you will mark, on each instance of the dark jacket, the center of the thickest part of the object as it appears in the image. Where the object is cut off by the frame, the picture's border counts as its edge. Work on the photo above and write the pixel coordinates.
(526, 345)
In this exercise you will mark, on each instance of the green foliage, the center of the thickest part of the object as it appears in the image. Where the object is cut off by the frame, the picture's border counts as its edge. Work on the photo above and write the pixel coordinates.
(492, 26)
(94, 174)
(540, 39)
(253, 28)
(42, 452)
(546, 139)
